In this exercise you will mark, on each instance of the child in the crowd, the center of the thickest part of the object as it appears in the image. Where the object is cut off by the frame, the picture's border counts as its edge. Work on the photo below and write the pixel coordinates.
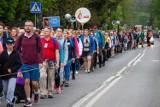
(10, 62)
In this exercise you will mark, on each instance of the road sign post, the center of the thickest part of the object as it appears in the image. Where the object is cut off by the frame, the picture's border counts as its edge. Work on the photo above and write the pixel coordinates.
(35, 7)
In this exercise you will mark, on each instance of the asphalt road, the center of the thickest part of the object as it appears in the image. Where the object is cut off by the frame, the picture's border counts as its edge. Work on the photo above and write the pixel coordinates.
(130, 79)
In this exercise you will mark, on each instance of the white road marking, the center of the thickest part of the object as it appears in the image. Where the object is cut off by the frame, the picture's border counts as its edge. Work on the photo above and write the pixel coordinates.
(104, 89)
(129, 64)
(122, 70)
(99, 95)
(138, 60)
(109, 79)
(84, 99)
(155, 60)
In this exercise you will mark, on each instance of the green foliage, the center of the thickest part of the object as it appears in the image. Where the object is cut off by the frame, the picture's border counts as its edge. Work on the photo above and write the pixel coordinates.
(155, 13)
(19, 10)
(7, 10)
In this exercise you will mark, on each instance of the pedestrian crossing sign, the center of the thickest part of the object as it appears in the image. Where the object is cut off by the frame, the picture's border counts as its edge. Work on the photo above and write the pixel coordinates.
(35, 7)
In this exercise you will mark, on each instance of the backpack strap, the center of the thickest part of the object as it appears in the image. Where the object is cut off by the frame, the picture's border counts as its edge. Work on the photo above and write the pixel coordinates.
(54, 41)
(36, 37)
(64, 43)
(21, 37)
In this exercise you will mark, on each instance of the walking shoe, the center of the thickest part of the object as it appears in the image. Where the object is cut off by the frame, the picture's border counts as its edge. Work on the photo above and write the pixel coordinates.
(1, 96)
(13, 101)
(9, 105)
(73, 77)
(36, 98)
(27, 104)
(76, 72)
(18, 101)
(58, 90)
(88, 70)
(43, 97)
(66, 84)
(92, 69)
(50, 96)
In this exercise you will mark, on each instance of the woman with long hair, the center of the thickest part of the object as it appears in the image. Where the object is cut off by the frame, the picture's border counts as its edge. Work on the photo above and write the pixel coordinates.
(14, 33)
(88, 48)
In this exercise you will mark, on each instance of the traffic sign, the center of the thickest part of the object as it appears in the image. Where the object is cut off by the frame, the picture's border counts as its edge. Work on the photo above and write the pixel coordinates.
(51, 21)
(35, 7)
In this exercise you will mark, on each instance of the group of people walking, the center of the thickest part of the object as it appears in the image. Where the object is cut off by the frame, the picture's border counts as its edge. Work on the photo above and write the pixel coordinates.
(45, 59)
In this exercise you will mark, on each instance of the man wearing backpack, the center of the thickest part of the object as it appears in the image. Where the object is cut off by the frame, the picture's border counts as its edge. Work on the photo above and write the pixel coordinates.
(50, 64)
(100, 38)
(32, 57)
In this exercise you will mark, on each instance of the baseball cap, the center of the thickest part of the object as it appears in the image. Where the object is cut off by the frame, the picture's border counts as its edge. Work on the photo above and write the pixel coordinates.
(10, 40)
(95, 27)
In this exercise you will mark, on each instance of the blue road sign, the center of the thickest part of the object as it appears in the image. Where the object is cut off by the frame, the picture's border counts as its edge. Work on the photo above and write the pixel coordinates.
(35, 7)
(51, 21)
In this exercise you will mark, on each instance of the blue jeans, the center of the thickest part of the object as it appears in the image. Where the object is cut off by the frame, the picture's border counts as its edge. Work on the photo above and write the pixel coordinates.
(1, 88)
(67, 70)
(77, 64)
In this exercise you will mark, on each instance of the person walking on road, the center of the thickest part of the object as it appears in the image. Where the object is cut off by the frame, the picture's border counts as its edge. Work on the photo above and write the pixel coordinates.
(88, 48)
(142, 38)
(32, 57)
(100, 38)
(50, 63)
(3, 36)
(10, 62)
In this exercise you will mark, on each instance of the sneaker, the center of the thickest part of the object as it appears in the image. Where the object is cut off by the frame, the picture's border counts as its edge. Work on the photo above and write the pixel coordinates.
(50, 96)
(58, 90)
(61, 87)
(66, 84)
(86, 71)
(28, 104)
(9, 105)
(43, 97)
(1, 96)
(36, 98)
(76, 72)
(13, 101)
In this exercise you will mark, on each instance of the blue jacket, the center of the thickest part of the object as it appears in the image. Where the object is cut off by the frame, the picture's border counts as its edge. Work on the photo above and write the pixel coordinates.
(5, 35)
(61, 53)
(100, 38)
(91, 45)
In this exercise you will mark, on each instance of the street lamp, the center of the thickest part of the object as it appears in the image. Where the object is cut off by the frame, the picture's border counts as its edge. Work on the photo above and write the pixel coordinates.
(70, 18)
(67, 17)
(118, 23)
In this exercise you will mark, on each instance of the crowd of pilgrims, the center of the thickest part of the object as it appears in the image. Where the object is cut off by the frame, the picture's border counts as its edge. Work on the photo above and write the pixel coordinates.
(50, 56)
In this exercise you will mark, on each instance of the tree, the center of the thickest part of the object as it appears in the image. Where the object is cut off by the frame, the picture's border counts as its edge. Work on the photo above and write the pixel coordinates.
(7, 10)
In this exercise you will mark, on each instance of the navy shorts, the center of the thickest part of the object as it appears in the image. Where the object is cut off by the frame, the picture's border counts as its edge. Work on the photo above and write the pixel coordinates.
(87, 53)
(30, 72)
